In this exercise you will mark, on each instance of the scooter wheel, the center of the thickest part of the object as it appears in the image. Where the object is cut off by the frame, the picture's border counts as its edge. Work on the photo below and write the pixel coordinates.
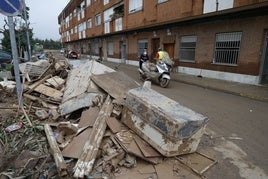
(164, 82)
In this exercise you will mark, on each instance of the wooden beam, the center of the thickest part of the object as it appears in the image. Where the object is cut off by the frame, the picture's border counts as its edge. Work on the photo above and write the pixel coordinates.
(86, 160)
(59, 160)
(36, 84)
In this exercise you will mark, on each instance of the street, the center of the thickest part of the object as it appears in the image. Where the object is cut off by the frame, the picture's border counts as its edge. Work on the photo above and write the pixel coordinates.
(236, 133)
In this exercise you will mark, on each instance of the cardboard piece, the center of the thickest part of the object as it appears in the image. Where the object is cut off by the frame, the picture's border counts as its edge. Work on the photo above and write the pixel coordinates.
(88, 117)
(75, 148)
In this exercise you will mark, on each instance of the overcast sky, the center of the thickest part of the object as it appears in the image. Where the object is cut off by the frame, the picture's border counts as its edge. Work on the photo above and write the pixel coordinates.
(43, 17)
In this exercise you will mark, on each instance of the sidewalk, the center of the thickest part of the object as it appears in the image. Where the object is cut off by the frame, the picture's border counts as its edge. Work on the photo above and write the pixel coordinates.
(250, 91)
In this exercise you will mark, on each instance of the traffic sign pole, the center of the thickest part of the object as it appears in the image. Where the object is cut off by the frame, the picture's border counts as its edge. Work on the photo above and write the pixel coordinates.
(12, 8)
(15, 58)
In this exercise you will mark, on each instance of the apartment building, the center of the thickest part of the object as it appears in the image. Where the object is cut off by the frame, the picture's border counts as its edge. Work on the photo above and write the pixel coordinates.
(222, 39)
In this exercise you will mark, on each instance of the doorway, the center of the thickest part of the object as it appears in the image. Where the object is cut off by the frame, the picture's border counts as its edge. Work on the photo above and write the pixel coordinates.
(123, 51)
(169, 48)
(264, 68)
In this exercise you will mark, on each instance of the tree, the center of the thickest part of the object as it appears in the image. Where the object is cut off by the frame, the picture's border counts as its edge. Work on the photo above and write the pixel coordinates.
(21, 38)
(20, 33)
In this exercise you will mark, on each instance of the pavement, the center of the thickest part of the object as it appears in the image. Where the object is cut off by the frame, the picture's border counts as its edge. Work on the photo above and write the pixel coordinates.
(256, 92)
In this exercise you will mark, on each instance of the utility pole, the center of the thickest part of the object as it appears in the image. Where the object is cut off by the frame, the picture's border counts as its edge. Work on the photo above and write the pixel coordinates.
(27, 32)
(12, 8)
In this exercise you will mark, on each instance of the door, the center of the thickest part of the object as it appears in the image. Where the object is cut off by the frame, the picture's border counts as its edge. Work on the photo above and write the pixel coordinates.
(155, 46)
(123, 51)
(169, 48)
(264, 71)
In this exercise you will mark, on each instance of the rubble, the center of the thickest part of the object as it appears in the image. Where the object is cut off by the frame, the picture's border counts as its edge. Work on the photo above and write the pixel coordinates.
(97, 123)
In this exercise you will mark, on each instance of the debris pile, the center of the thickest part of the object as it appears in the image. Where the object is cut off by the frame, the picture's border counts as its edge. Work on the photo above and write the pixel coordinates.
(96, 123)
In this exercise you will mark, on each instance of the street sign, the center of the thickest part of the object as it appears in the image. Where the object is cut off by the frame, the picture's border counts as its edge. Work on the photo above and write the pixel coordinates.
(11, 7)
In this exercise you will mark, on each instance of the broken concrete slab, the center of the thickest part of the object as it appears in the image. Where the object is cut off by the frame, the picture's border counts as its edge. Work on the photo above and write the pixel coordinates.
(116, 84)
(166, 125)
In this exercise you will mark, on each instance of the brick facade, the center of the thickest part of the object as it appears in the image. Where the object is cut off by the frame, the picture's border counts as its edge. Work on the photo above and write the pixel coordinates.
(162, 25)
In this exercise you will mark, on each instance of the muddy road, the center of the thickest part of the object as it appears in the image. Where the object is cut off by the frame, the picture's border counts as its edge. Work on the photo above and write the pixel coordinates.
(236, 133)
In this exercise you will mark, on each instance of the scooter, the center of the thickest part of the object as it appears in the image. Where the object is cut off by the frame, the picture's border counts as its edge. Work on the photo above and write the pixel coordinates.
(159, 73)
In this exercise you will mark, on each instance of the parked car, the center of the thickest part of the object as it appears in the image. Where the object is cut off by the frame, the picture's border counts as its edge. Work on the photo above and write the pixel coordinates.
(62, 51)
(5, 58)
(72, 54)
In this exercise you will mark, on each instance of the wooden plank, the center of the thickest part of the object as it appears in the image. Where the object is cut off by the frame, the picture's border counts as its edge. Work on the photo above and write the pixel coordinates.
(87, 159)
(59, 160)
(89, 117)
(48, 91)
(56, 81)
(116, 84)
(36, 84)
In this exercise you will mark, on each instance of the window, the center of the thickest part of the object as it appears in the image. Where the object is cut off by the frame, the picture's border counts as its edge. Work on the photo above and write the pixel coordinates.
(211, 5)
(227, 47)
(107, 15)
(82, 9)
(89, 23)
(187, 48)
(135, 5)
(107, 27)
(98, 20)
(80, 27)
(160, 1)
(141, 45)
(88, 2)
(110, 48)
(105, 2)
(96, 47)
(78, 15)
(118, 24)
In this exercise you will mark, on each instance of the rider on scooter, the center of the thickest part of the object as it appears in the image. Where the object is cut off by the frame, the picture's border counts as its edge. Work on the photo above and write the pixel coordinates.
(144, 57)
(159, 55)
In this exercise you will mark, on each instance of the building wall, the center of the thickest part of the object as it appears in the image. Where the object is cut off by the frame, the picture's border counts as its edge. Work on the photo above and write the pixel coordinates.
(238, 3)
(250, 50)
(247, 69)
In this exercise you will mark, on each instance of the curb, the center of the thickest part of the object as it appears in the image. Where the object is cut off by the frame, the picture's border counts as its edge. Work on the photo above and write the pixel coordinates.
(257, 98)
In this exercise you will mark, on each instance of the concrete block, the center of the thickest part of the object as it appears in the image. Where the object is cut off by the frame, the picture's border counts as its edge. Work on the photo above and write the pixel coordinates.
(169, 127)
